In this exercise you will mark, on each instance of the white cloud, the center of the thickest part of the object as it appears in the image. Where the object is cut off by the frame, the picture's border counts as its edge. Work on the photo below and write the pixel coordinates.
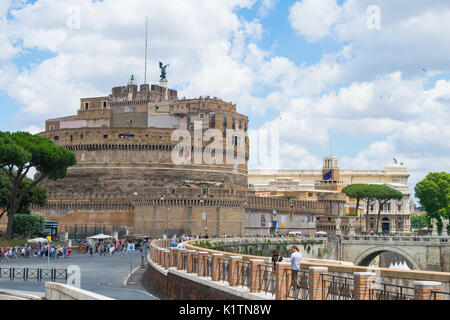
(314, 19)
(266, 6)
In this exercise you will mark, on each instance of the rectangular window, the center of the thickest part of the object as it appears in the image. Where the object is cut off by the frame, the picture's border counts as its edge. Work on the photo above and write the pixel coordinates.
(399, 208)
(371, 208)
(213, 121)
(225, 122)
(233, 124)
(263, 221)
(86, 106)
(52, 128)
(202, 116)
(104, 104)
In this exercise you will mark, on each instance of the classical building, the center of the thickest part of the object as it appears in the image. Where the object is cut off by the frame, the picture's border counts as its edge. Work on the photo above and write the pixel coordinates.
(329, 181)
(151, 163)
(132, 158)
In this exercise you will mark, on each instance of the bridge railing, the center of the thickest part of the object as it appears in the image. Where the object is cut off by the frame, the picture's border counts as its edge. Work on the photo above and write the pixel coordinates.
(337, 287)
(312, 282)
(396, 238)
(391, 292)
(266, 279)
(439, 295)
(298, 289)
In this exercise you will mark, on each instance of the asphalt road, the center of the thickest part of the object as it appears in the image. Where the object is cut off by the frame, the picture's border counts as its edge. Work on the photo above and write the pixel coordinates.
(103, 275)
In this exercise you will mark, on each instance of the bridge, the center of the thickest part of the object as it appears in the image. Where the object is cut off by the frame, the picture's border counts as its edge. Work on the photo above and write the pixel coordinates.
(200, 272)
(422, 253)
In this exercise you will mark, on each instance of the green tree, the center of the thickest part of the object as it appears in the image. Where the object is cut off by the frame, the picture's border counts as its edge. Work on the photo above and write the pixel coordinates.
(419, 221)
(37, 195)
(360, 192)
(383, 194)
(22, 151)
(433, 193)
(27, 224)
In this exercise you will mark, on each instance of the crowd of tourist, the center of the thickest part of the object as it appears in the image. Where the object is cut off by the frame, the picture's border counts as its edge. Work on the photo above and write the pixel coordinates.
(111, 248)
(39, 250)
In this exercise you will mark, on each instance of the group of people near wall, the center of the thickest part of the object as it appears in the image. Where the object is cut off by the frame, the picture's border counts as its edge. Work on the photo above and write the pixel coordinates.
(103, 248)
(40, 250)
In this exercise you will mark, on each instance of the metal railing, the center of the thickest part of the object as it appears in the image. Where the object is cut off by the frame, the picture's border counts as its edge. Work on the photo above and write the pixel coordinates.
(243, 273)
(194, 262)
(336, 287)
(184, 261)
(443, 295)
(208, 267)
(299, 287)
(38, 274)
(391, 292)
(223, 269)
(266, 280)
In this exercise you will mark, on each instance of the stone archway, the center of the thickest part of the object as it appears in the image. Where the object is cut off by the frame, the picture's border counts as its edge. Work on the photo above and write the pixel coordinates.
(368, 255)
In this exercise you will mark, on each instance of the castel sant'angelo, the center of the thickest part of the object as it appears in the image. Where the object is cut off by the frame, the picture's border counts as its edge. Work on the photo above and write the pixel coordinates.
(150, 163)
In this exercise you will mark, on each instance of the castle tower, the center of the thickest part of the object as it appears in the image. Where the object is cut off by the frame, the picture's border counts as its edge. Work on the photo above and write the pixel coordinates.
(330, 175)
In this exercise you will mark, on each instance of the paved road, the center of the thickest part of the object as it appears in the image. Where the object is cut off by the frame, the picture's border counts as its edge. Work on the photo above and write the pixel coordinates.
(103, 275)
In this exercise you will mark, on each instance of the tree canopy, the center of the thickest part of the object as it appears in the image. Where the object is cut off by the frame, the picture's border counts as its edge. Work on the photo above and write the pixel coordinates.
(37, 195)
(419, 221)
(370, 192)
(433, 193)
(26, 224)
(22, 151)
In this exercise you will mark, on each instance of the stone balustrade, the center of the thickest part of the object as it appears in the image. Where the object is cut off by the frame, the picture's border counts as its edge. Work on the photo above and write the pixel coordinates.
(320, 278)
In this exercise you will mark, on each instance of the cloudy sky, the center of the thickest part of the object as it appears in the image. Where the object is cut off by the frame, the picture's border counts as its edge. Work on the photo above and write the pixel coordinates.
(367, 79)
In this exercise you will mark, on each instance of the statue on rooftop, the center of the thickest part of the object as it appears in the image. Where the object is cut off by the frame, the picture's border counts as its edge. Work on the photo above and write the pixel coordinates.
(163, 68)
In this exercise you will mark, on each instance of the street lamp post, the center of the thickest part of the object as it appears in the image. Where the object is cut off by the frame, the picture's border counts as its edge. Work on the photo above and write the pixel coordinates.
(167, 217)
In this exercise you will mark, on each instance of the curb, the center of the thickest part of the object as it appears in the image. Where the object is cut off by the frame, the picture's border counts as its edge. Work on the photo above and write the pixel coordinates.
(125, 281)
(20, 295)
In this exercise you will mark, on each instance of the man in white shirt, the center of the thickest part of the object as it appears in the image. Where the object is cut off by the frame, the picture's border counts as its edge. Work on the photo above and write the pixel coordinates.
(180, 245)
(296, 257)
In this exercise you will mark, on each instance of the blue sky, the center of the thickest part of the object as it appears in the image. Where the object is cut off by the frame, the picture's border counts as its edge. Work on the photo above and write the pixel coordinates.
(315, 71)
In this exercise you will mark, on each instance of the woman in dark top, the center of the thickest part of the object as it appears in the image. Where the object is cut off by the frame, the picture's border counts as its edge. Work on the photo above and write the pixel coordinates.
(276, 257)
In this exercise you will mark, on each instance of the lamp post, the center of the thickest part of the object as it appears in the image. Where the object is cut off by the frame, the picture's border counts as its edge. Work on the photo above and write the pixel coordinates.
(244, 204)
(167, 217)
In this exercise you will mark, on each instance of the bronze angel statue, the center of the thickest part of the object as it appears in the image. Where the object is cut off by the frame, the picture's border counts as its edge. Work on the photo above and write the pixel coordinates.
(163, 68)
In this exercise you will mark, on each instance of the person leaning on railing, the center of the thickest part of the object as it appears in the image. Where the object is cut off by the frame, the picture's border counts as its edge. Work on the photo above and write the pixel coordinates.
(296, 257)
